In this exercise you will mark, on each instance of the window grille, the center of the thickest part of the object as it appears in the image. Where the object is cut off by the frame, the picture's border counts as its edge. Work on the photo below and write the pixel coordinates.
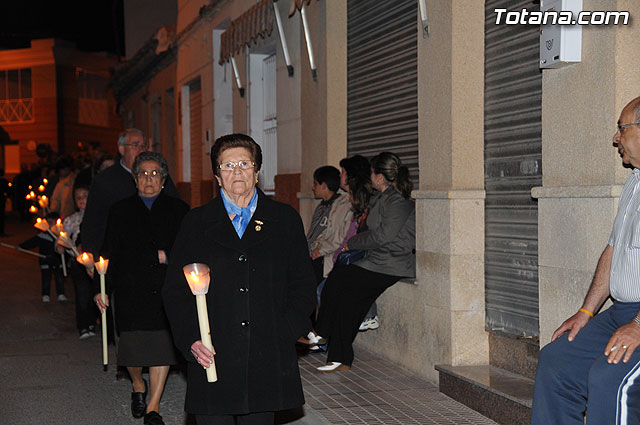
(16, 102)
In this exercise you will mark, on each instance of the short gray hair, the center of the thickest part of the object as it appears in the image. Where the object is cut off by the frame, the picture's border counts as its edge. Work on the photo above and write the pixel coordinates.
(124, 136)
(151, 156)
(636, 108)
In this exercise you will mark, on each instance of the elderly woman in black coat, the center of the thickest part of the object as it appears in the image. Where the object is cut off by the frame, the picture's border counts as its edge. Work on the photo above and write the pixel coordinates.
(141, 230)
(261, 294)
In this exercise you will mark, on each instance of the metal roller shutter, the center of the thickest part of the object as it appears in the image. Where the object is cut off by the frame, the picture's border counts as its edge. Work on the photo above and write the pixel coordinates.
(513, 151)
(382, 98)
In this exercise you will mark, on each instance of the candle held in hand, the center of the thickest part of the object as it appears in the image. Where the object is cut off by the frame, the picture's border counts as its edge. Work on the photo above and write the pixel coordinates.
(41, 224)
(101, 267)
(197, 275)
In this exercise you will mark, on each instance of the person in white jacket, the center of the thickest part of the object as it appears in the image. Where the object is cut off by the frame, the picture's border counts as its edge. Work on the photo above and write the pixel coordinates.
(330, 219)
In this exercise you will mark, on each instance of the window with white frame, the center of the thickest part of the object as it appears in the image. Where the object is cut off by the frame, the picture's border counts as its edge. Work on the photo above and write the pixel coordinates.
(263, 111)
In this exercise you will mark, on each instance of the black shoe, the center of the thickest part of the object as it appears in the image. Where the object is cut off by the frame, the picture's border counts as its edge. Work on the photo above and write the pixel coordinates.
(139, 402)
(153, 418)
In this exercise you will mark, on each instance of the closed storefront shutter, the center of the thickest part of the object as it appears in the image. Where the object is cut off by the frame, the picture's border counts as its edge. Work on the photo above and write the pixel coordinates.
(513, 150)
(382, 98)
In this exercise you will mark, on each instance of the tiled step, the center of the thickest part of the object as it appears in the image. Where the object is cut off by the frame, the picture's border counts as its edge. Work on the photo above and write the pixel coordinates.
(502, 396)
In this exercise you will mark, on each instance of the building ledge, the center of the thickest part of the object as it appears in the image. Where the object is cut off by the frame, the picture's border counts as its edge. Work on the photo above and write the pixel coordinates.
(449, 194)
(600, 191)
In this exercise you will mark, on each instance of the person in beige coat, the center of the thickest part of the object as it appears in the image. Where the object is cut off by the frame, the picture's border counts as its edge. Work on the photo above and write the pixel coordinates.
(338, 222)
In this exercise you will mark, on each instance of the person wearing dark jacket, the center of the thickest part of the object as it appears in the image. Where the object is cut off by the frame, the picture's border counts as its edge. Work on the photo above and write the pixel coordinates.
(260, 298)
(140, 233)
(110, 186)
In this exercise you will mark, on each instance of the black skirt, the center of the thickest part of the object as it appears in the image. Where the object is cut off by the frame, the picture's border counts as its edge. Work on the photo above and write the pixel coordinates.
(147, 348)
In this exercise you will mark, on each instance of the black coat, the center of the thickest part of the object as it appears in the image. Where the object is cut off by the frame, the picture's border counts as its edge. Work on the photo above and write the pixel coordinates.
(108, 187)
(261, 294)
(134, 236)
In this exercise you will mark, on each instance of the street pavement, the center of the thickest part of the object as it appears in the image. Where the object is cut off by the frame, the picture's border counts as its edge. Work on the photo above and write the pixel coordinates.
(48, 375)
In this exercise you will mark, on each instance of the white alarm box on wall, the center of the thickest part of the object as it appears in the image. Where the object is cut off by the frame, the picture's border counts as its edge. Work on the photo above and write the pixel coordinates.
(560, 45)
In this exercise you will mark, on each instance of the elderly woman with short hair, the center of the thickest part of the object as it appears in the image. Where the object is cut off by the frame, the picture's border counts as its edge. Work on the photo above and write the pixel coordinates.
(140, 233)
(261, 295)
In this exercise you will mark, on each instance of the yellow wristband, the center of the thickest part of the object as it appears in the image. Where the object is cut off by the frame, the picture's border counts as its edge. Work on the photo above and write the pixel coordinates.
(586, 311)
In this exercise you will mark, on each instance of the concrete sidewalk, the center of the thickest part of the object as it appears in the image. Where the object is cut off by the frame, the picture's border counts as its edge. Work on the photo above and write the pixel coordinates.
(49, 376)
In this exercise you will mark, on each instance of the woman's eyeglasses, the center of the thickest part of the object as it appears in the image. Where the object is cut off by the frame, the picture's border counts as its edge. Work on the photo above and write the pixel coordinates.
(153, 174)
(230, 166)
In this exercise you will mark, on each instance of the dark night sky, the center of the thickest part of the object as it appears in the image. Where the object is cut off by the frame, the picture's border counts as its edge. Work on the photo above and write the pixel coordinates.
(94, 25)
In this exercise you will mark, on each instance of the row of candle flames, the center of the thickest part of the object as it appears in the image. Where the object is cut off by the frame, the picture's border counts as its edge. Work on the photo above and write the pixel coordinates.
(58, 233)
(86, 258)
(196, 274)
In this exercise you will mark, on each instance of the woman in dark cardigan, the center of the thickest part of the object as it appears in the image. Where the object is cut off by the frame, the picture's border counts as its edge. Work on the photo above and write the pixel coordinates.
(260, 298)
(141, 230)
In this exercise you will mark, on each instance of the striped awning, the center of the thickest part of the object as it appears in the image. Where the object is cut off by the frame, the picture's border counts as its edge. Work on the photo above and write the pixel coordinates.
(255, 23)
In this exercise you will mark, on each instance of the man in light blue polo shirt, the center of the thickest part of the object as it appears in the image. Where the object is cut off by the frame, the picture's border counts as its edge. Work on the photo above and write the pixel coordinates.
(592, 364)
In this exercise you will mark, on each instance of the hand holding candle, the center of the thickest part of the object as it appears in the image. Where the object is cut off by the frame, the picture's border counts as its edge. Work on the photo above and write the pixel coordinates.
(101, 267)
(197, 275)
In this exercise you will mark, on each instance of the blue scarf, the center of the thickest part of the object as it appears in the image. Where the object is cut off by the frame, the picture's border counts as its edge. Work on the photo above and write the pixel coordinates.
(243, 214)
(148, 200)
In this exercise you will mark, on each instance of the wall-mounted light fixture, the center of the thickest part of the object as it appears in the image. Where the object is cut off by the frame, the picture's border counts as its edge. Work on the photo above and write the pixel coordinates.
(283, 39)
(424, 18)
(307, 35)
(237, 75)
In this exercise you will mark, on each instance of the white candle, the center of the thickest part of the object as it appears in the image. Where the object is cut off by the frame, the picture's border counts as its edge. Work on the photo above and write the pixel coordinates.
(86, 259)
(197, 275)
(101, 267)
(58, 229)
(43, 201)
(41, 225)
(67, 243)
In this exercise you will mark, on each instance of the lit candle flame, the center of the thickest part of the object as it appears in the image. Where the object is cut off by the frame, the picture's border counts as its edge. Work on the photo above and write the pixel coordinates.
(102, 265)
(85, 257)
(27, 197)
(194, 276)
(32, 193)
(41, 188)
(30, 187)
(10, 184)
(59, 222)
(33, 209)
(45, 181)
(41, 224)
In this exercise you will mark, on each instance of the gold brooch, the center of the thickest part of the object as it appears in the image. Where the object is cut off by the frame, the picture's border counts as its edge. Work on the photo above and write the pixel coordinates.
(258, 225)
